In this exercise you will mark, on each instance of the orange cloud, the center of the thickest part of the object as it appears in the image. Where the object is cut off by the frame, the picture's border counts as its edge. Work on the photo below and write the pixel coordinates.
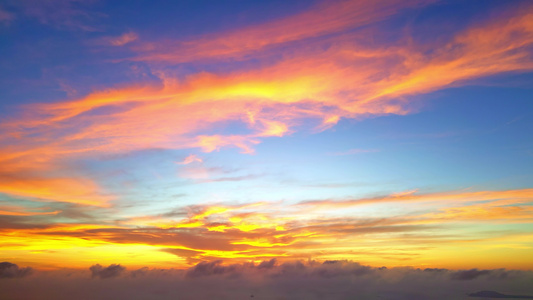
(493, 48)
(190, 159)
(341, 82)
(309, 84)
(267, 230)
(23, 211)
(36, 180)
(504, 197)
(292, 230)
(519, 214)
(324, 18)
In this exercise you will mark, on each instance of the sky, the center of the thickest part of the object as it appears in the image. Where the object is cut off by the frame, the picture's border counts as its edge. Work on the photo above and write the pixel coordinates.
(172, 134)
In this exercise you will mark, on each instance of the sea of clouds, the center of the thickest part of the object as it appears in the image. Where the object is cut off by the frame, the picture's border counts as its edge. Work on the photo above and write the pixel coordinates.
(266, 280)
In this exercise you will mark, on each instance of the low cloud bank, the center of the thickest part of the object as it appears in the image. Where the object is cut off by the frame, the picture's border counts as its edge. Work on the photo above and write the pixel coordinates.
(266, 280)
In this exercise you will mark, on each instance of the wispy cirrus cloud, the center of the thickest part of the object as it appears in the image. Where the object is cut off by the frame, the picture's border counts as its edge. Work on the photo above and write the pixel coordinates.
(324, 18)
(310, 86)
(124, 39)
(508, 197)
(280, 95)
(190, 159)
(47, 188)
(62, 14)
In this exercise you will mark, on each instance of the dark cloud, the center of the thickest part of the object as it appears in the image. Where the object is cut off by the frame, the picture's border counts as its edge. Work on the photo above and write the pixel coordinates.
(437, 270)
(10, 270)
(8, 223)
(330, 269)
(139, 272)
(267, 264)
(111, 271)
(269, 268)
(216, 267)
(468, 274)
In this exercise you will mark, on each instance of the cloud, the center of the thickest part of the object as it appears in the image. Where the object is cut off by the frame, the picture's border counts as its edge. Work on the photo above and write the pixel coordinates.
(311, 86)
(328, 269)
(41, 187)
(13, 210)
(493, 294)
(507, 197)
(267, 264)
(9, 270)
(308, 279)
(324, 71)
(211, 268)
(282, 231)
(6, 17)
(468, 274)
(324, 18)
(231, 178)
(354, 151)
(190, 159)
(124, 39)
(110, 271)
(518, 212)
(62, 14)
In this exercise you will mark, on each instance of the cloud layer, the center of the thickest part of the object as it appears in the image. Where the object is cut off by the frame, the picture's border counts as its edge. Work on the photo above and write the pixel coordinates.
(320, 229)
(270, 280)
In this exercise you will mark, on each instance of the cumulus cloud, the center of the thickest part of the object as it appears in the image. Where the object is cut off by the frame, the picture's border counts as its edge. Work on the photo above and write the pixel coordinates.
(213, 268)
(111, 271)
(267, 264)
(10, 270)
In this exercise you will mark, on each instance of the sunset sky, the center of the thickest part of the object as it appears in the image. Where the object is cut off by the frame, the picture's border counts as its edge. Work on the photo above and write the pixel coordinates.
(163, 135)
